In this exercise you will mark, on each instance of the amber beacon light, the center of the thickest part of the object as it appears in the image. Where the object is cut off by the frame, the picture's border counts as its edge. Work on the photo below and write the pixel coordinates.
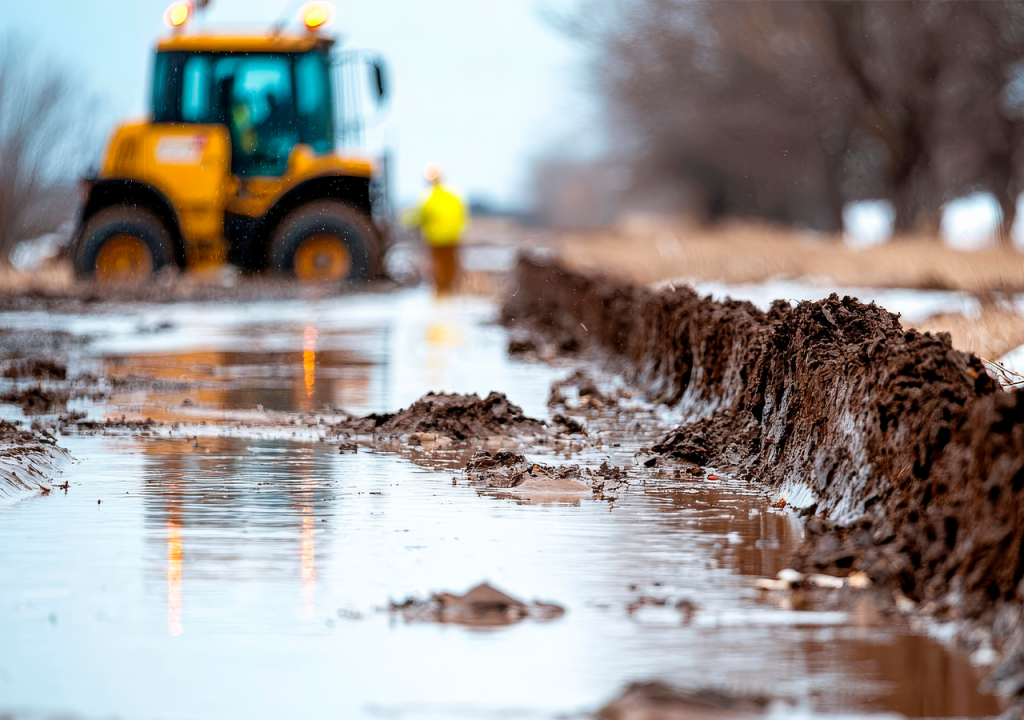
(316, 15)
(178, 13)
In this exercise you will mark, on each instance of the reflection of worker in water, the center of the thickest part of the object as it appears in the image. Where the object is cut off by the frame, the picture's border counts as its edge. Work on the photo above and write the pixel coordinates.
(442, 218)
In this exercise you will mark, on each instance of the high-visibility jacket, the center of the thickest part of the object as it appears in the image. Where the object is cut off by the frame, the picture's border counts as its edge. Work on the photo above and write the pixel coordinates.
(440, 214)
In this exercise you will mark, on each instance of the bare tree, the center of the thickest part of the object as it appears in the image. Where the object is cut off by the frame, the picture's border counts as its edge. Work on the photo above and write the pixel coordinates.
(790, 110)
(40, 122)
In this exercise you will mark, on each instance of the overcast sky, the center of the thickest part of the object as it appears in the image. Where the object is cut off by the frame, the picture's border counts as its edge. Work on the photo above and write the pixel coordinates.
(482, 86)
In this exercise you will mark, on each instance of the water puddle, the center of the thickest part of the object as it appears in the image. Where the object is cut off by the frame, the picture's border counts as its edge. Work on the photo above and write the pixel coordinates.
(246, 577)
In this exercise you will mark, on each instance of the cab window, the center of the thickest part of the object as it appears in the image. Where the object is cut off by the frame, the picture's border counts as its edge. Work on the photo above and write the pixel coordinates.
(255, 100)
(313, 99)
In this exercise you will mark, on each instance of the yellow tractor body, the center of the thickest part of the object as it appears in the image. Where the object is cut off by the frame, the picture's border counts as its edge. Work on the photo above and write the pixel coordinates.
(238, 162)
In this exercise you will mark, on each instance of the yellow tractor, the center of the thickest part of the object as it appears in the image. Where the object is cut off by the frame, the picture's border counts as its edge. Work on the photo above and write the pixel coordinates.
(239, 162)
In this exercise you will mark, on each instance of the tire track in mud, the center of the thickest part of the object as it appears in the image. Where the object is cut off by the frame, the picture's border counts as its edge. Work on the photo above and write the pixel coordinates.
(908, 457)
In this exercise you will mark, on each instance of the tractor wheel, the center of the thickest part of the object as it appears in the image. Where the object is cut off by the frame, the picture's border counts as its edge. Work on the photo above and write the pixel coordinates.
(323, 241)
(122, 246)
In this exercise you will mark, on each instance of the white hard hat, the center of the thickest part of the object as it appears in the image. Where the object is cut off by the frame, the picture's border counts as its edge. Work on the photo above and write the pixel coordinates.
(433, 171)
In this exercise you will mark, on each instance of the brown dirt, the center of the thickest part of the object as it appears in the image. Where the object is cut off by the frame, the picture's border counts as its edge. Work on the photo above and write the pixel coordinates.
(658, 701)
(509, 469)
(482, 606)
(26, 461)
(13, 437)
(461, 417)
(914, 456)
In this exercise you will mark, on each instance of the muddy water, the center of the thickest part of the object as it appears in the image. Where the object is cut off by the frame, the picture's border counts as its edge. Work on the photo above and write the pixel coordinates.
(242, 577)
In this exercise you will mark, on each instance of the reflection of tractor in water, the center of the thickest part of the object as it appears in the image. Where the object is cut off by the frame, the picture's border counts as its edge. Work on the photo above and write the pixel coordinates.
(238, 163)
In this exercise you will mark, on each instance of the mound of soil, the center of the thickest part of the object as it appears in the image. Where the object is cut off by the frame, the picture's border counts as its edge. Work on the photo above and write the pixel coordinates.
(461, 417)
(906, 449)
(483, 606)
(658, 701)
(13, 437)
(27, 462)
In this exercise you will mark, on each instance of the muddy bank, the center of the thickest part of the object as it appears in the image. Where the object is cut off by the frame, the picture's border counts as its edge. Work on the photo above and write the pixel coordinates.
(29, 462)
(907, 454)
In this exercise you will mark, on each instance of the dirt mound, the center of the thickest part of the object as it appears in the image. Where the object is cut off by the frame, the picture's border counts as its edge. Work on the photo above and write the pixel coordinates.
(658, 701)
(482, 606)
(13, 436)
(461, 417)
(954, 536)
(905, 447)
(28, 462)
(832, 400)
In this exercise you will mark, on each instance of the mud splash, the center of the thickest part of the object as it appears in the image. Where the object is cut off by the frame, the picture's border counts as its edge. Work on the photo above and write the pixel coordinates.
(909, 454)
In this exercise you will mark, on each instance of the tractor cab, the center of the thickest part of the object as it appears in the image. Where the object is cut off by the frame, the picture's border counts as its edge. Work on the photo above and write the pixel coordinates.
(240, 161)
(270, 102)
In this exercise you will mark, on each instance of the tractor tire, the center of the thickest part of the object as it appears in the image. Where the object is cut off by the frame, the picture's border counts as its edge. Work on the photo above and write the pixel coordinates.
(324, 241)
(122, 245)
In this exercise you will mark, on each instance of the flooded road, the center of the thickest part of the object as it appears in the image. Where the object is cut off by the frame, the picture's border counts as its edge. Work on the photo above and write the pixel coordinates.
(233, 575)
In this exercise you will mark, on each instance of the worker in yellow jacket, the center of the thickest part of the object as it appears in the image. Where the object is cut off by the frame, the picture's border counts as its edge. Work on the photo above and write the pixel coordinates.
(442, 218)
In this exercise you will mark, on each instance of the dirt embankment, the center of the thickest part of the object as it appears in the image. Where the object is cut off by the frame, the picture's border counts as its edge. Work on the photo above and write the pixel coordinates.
(28, 462)
(909, 454)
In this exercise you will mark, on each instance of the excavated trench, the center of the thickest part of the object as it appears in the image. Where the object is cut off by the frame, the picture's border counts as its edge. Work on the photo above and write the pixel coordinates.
(905, 454)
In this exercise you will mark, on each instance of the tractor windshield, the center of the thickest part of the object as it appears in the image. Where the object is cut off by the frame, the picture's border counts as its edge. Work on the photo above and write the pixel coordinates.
(270, 102)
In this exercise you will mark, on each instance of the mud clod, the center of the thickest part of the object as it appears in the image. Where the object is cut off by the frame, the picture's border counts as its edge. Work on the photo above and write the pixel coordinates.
(482, 606)
(461, 417)
(658, 701)
(572, 427)
(508, 469)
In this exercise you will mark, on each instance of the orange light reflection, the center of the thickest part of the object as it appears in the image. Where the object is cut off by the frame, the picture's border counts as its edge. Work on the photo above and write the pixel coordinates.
(174, 553)
(309, 360)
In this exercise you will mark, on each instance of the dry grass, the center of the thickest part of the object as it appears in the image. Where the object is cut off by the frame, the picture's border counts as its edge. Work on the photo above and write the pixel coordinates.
(647, 252)
(742, 253)
(990, 336)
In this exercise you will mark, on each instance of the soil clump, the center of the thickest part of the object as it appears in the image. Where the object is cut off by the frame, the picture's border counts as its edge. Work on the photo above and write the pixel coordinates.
(508, 469)
(456, 417)
(482, 606)
(908, 454)
(659, 701)
(27, 461)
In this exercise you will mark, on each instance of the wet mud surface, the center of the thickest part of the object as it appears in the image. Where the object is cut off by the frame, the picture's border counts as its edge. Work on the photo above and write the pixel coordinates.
(267, 485)
(903, 451)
